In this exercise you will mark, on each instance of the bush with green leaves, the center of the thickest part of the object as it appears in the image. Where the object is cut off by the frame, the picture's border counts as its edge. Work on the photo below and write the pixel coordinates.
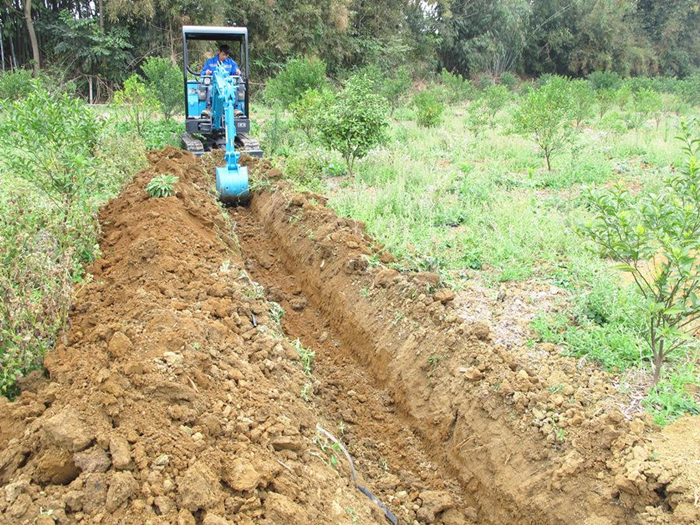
(59, 163)
(544, 116)
(296, 77)
(604, 80)
(429, 107)
(308, 111)
(395, 87)
(495, 98)
(646, 104)
(162, 186)
(137, 101)
(357, 121)
(606, 98)
(478, 117)
(583, 98)
(457, 87)
(18, 83)
(164, 80)
(509, 80)
(655, 237)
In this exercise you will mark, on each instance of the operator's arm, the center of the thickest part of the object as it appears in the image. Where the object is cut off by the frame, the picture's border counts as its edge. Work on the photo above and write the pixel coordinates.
(234, 68)
(207, 69)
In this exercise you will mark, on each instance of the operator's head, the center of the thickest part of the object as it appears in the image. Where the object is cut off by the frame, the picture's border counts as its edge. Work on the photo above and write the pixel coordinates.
(224, 52)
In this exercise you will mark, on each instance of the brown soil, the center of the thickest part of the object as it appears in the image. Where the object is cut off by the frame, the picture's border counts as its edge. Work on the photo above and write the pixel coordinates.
(177, 397)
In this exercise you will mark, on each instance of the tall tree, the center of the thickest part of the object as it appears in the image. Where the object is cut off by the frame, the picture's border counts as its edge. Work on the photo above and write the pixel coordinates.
(32, 36)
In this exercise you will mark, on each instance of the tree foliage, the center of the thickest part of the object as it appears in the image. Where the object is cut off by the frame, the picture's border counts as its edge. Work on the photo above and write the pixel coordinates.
(544, 116)
(356, 122)
(165, 83)
(656, 239)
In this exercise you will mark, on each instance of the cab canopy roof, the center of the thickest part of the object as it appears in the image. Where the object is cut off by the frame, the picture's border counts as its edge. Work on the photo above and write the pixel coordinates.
(214, 33)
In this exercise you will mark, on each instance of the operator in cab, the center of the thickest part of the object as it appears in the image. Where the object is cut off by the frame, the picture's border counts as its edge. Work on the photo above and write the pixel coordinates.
(223, 58)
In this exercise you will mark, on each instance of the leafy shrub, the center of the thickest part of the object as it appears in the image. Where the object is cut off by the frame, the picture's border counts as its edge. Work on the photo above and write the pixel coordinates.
(604, 80)
(137, 101)
(48, 204)
(395, 87)
(165, 83)
(495, 98)
(17, 84)
(429, 107)
(582, 100)
(356, 122)
(688, 89)
(484, 81)
(277, 132)
(161, 186)
(646, 104)
(478, 117)
(296, 77)
(654, 237)
(509, 80)
(458, 88)
(543, 116)
(606, 98)
(308, 111)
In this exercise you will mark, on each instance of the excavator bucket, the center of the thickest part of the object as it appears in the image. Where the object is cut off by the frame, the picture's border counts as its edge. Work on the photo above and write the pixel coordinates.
(232, 185)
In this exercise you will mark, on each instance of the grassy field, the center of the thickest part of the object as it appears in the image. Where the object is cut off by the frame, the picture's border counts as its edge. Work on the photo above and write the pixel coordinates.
(486, 208)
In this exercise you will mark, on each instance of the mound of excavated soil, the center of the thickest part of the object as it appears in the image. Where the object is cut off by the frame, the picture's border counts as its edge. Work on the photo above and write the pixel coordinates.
(532, 437)
(172, 399)
(175, 396)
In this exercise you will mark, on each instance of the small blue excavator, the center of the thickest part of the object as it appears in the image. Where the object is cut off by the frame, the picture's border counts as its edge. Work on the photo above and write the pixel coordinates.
(217, 111)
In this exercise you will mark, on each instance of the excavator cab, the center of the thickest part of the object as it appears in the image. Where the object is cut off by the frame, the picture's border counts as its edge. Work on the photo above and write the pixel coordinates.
(217, 111)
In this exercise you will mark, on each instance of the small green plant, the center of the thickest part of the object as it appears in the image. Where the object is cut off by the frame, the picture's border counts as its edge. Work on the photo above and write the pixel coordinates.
(458, 88)
(583, 98)
(429, 107)
(306, 357)
(164, 80)
(162, 186)
(544, 117)
(296, 77)
(509, 80)
(606, 98)
(309, 110)
(137, 101)
(495, 98)
(356, 122)
(656, 239)
(478, 117)
(306, 392)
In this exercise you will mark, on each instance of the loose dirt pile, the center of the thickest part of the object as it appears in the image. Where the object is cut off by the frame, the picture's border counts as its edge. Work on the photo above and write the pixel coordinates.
(180, 395)
(166, 403)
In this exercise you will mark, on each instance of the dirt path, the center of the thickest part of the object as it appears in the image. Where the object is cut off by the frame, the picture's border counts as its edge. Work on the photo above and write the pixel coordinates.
(394, 461)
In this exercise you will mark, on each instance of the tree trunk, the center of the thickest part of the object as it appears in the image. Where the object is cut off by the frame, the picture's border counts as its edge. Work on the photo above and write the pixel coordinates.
(546, 157)
(32, 35)
(100, 5)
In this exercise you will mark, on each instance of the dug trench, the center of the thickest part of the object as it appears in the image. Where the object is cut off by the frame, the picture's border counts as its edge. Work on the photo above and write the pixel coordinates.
(177, 396)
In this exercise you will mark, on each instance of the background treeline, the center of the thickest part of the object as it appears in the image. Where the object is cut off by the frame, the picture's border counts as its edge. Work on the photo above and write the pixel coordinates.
(98, 44)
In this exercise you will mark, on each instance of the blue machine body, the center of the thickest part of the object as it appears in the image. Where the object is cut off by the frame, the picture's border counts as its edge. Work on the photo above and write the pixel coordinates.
(232, 179)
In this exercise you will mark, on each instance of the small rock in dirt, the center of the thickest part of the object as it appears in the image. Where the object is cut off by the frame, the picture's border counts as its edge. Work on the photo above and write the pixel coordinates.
(173, 359)
(281, 509)
(241, 475)
(94, 459)
(44, 520)
(427, 278)
(199, 488)
(121, 452)
(298, 303)
(287, 443)
(185, 517)
(481, 331)
(386, 258)
(56, 467)
(213, 519)
(13, 490)
(473, 374)
(165, 504)
(119, 345)
(162, 461)
(444, 296)
(436, 501)
(74, 500)
(66, 430)
(121, 489)
(385, 277)
(323, 338)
